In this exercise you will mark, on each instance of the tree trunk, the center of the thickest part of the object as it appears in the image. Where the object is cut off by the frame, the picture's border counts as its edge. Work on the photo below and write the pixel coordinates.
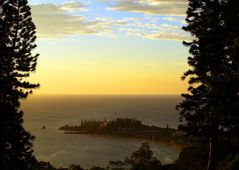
(212, 157)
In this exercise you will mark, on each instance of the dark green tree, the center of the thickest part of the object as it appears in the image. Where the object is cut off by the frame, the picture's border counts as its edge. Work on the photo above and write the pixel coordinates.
(210, 109)
(142, 159)
(17, 37)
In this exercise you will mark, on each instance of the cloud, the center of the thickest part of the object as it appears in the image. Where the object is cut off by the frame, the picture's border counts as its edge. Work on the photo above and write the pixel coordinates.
(157, 7)
(168, 36)
(57, 21)
(149, 28)
(72, 6)
(168, 32)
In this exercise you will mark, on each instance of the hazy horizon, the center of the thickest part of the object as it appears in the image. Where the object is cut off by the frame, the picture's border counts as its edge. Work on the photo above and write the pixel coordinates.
(106, 94)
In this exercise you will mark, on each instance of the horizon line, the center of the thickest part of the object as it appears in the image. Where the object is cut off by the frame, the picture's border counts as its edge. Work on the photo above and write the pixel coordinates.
(106, 94)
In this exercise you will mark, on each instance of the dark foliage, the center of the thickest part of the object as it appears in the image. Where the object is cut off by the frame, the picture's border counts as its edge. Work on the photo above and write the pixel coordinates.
(75, 167)
(97, 168)
(35, 165)
(195, 157)
(142, 159)
(17, 36)
(211, 108)
(192, 158)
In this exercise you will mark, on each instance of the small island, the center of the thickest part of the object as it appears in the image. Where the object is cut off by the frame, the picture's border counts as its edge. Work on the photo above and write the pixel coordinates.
(125, 127)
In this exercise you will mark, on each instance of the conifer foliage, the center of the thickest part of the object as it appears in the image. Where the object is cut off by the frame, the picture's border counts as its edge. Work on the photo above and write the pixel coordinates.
(211, 107)
(17, 40)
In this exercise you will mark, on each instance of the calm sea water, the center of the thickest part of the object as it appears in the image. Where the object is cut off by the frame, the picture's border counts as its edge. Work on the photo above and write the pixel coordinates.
(60, 149)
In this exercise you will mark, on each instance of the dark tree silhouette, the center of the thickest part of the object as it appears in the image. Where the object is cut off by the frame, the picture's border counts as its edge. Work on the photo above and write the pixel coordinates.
(17, 36)
(142, 159)
(211, 107)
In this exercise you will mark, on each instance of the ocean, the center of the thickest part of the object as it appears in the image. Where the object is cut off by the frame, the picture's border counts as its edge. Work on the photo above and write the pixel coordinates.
(62, 150)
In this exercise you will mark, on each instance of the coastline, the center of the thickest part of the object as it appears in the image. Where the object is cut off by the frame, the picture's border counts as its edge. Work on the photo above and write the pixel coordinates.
(161, 142)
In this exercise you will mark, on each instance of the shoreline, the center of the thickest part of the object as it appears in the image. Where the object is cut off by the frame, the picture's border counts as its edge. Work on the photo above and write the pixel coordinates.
(161, 142)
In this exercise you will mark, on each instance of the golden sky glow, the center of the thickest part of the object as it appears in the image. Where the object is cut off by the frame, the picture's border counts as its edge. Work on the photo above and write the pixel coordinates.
(110, 47)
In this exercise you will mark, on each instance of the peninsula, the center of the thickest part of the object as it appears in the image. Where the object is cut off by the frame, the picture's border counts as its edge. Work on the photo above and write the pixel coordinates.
(129, 128)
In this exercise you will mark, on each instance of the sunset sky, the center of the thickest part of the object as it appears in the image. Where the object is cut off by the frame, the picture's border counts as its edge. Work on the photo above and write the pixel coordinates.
(110, 46)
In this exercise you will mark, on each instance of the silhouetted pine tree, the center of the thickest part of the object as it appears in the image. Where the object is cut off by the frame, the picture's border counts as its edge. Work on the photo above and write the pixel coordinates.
(211, 108)
(17, 36)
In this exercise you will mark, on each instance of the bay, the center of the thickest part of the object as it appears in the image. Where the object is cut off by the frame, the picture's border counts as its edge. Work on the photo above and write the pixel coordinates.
(53, 111)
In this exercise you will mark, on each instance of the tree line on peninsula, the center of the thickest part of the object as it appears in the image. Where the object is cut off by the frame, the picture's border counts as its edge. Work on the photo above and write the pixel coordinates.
(128, 128)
